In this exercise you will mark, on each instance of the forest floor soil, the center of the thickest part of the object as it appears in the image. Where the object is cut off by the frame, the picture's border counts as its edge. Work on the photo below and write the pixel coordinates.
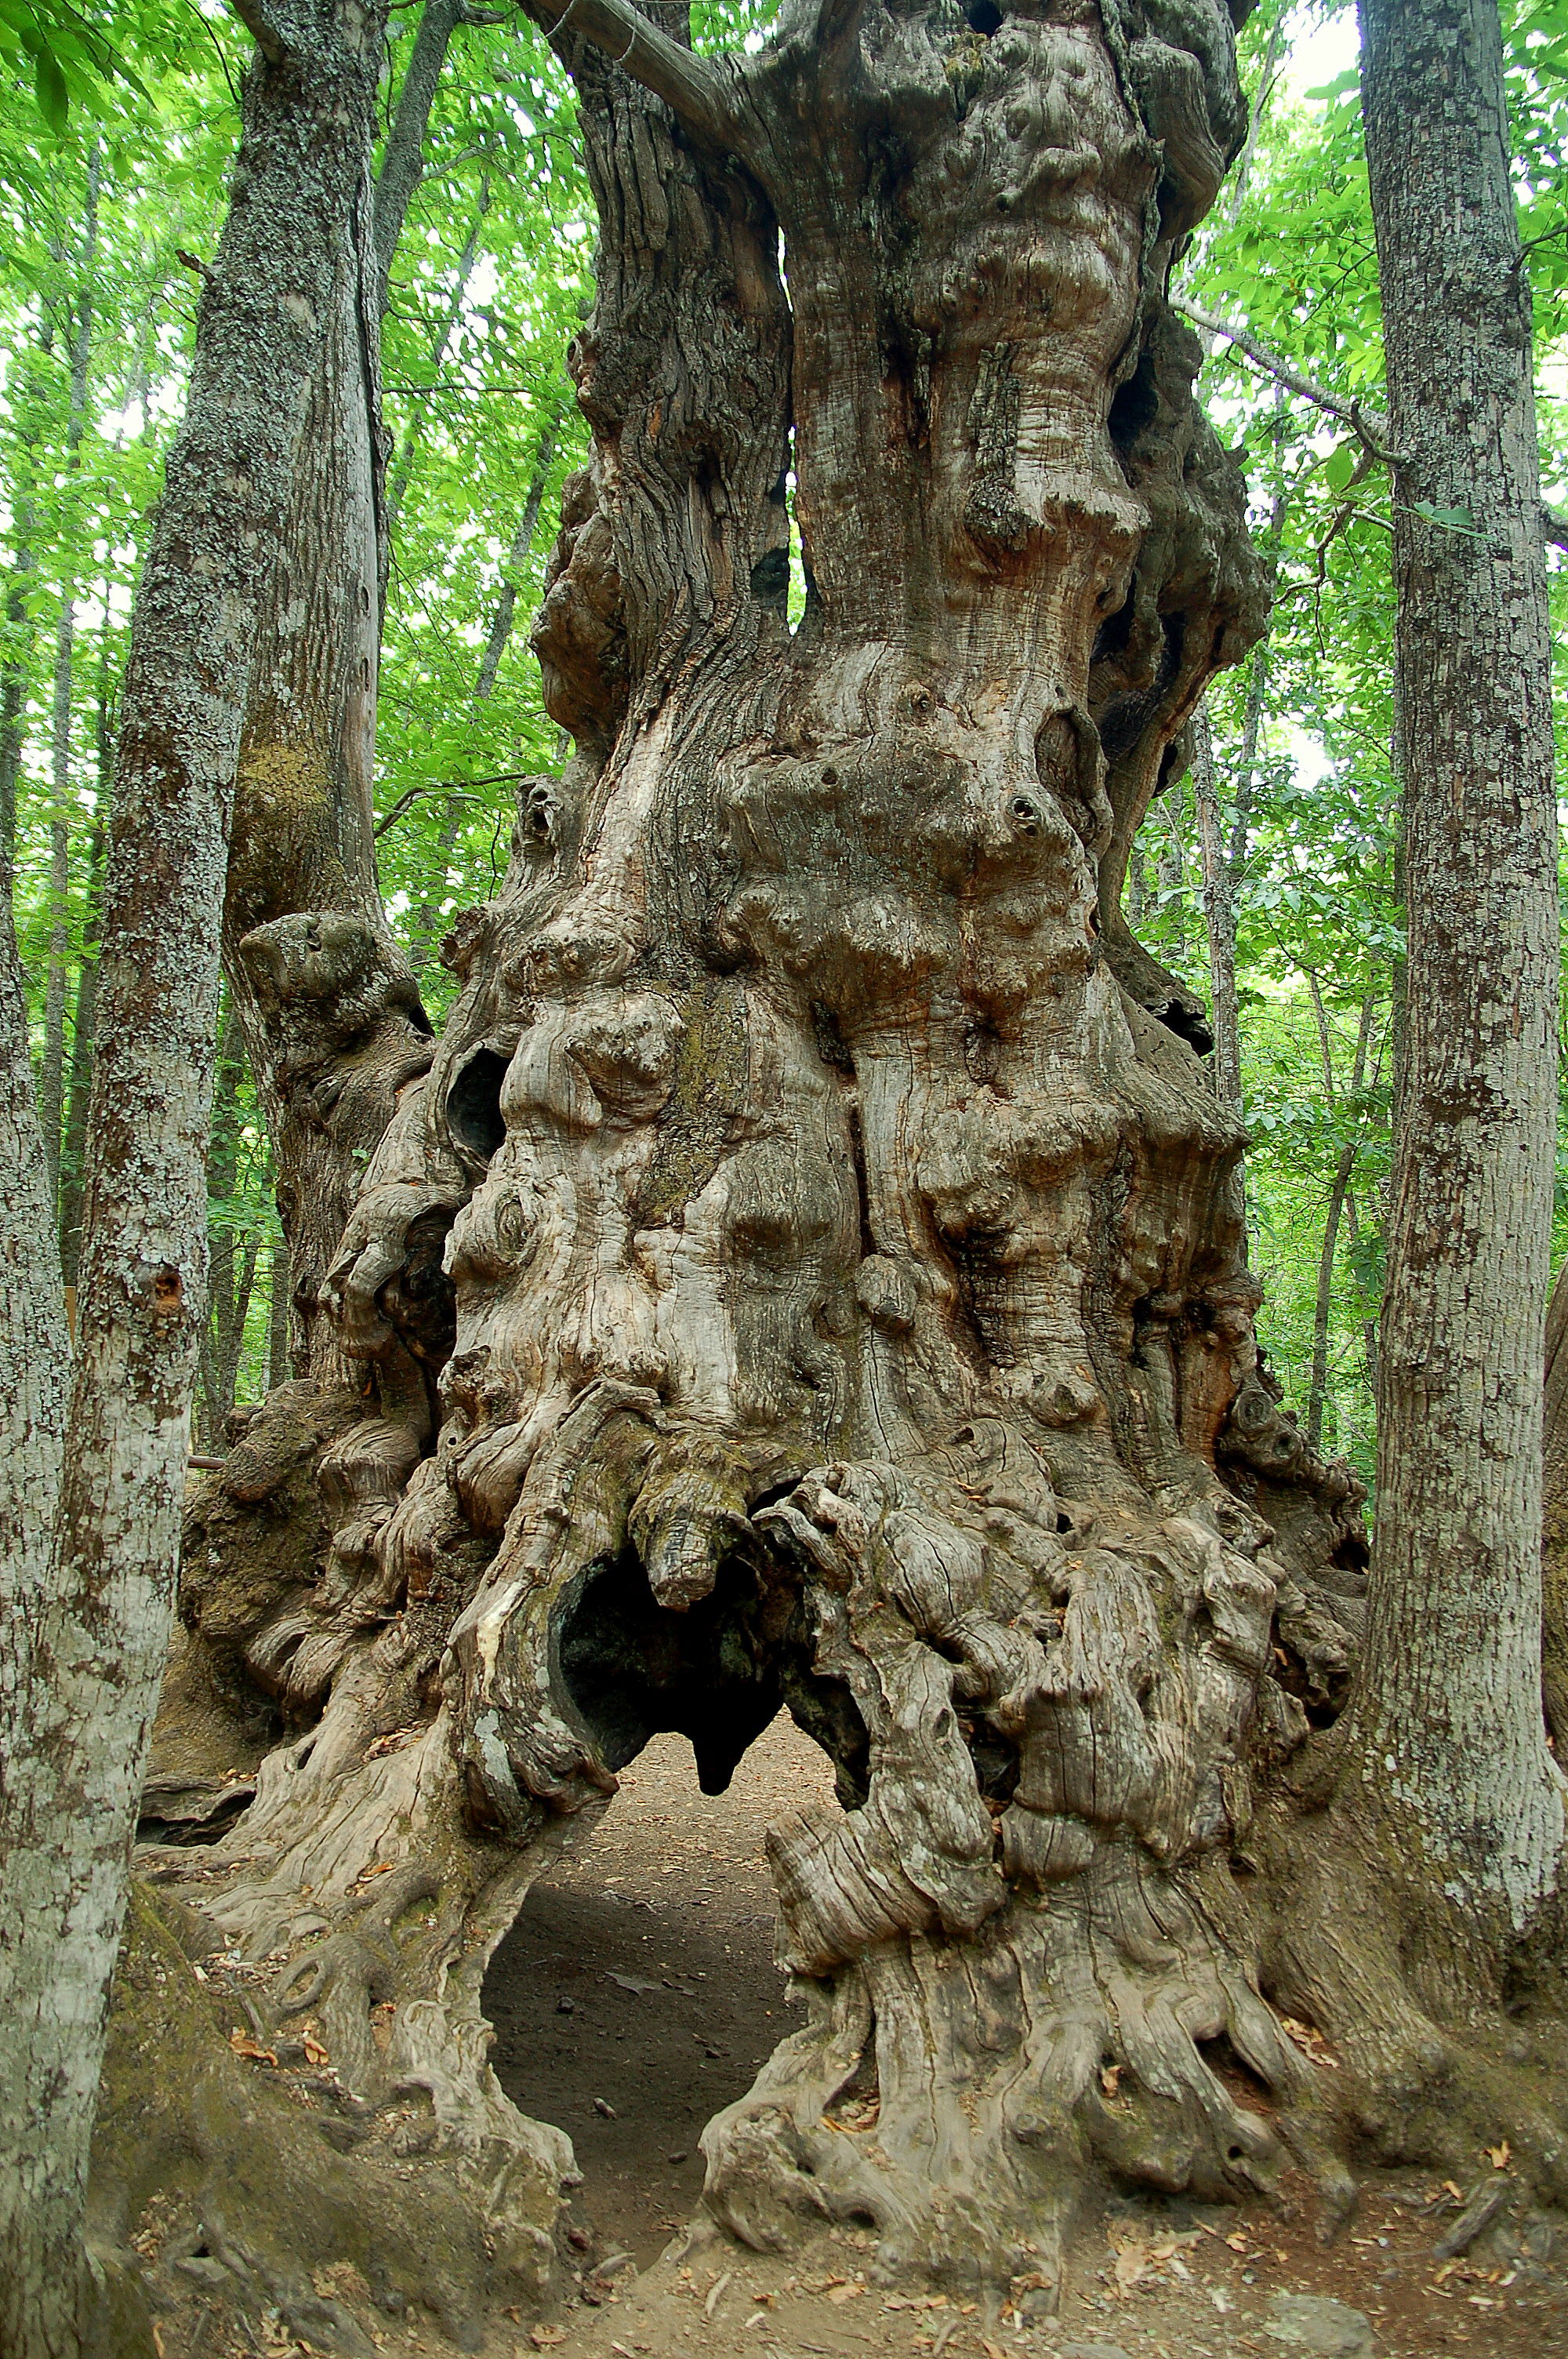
(637, 1994)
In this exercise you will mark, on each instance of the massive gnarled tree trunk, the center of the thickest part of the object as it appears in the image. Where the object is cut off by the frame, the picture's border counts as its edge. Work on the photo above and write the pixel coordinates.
(812, 1273)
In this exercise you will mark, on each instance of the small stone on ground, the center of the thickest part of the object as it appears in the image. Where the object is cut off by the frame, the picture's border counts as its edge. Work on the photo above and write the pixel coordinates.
(1312, 2322)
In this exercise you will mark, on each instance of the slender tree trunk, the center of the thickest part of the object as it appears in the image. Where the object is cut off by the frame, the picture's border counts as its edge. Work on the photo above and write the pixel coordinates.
(328, 1007)
(51, 1081)
(1219, 915)
(52, 1089)
(84, 1027)
(1338, 1202)
(13, 679)
(1449, 1686)
(1171, 869)
(517, 561)
(441, 335)
(98, 1615)
(424, 929)
(277, 1360)
(403, 160)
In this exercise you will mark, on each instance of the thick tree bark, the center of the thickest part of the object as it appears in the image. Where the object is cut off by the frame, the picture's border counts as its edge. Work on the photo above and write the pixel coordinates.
(328, 1003)
(83, 1040)
(1554, 1524)
(1438, 1825)
(832, 1265)
(99, 1624)
(1449, 1691)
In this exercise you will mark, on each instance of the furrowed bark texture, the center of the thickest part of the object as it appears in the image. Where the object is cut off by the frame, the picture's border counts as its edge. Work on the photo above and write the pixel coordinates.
(330, 1012)
(1447, 1724)
(75, 1754)
(812, 1272)
(1555, 1523)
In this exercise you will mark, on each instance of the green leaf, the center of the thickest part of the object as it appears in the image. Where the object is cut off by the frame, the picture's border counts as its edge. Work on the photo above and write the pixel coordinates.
(54, 99)
(1458, 520)
(1340, 465)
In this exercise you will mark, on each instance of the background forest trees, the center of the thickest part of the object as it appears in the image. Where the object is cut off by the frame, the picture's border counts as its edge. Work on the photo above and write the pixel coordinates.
(109, 214)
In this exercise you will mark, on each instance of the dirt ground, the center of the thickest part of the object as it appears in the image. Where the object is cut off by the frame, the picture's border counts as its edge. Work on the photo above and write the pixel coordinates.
(637, 1994)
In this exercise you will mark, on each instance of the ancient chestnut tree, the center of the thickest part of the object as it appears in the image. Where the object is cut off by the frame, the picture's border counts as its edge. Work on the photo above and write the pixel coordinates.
(811, 1272)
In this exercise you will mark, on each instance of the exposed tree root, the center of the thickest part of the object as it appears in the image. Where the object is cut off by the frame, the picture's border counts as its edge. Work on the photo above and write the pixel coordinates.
(262, 2180)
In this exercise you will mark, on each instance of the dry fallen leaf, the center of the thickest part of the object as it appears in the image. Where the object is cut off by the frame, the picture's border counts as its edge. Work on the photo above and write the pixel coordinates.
(1311, 2041)
(1131, 2263)
(243, 2045)
(541, 2337)
(315, 2053)
(844, 2292)
(1498, 2155)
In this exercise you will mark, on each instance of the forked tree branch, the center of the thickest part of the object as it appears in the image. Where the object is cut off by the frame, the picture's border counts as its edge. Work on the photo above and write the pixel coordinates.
(695, 87)
(1370, 426)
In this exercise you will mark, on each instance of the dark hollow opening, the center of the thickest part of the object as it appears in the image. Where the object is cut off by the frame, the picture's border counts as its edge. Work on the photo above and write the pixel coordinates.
(635, 1670)
(1134, 405)
(473, 1103)
(984, 18)
(637, 1994)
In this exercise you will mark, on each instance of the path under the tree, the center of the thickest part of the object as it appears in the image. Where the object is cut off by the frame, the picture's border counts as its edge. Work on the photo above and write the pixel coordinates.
(639, 1978)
